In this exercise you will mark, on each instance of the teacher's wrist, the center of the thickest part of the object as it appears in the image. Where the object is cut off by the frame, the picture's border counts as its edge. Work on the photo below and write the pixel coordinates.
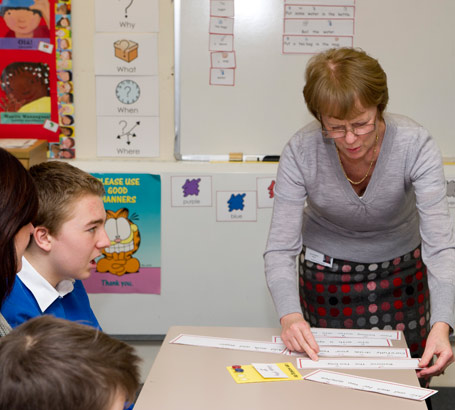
(291, 317)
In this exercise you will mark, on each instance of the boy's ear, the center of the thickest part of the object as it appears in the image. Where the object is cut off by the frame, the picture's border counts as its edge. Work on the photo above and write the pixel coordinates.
(42, 238)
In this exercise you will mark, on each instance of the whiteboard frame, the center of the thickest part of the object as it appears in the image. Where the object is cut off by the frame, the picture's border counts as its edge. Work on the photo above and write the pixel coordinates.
(177, 45)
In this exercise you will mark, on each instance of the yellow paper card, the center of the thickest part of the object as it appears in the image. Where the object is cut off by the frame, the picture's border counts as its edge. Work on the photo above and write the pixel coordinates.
(251, 375)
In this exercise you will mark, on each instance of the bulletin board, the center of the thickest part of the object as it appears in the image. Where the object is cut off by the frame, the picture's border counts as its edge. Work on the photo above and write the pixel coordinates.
(28, 92)
(412, 39)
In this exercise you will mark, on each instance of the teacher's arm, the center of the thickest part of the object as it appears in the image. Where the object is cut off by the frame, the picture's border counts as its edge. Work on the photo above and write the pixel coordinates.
(438, 253)
(283, 246)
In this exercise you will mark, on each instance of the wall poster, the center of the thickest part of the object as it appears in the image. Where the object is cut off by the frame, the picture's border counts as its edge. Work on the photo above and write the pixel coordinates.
(132, 263)
(36, 92)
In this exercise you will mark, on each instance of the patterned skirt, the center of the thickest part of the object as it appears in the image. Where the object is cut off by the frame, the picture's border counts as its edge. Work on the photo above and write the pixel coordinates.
(384, 295)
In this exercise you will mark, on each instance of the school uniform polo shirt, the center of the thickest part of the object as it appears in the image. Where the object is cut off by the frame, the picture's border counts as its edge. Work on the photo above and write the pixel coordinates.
(33, 295)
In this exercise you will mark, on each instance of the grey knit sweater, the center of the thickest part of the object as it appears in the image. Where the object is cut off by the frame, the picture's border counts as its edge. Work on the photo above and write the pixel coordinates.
(404, 204)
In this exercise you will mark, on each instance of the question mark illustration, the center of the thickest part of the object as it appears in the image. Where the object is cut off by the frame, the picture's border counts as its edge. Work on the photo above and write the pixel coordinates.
(127, 7)
(129, 90)
(123, 129)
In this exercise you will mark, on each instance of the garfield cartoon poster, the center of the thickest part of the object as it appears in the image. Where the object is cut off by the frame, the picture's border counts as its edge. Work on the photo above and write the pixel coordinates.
(131, 264)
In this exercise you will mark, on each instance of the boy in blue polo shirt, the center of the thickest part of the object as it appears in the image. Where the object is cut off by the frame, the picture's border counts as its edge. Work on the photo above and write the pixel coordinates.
(69, 234)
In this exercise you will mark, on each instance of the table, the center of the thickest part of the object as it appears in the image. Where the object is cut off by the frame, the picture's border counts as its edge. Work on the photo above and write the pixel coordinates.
(193, 377)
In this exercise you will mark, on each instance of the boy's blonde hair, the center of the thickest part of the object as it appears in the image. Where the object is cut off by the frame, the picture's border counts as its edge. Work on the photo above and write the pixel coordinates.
(60, 185)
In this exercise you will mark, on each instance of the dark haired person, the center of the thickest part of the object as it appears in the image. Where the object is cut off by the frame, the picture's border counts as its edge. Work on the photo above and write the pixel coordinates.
(18, 207)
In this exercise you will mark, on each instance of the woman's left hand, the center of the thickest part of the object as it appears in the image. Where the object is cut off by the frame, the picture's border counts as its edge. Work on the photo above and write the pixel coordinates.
(438, 345)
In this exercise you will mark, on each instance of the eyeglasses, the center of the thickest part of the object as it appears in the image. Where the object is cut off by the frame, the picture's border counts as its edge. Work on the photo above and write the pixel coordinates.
(341, 132)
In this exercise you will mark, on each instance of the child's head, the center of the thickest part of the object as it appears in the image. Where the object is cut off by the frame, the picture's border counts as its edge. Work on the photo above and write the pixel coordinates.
(66, 153)
(50, 363)
(66, 120)
(62, 32)
(25, 81)
(65, 55)
(60, 186)
(64, 43)
(64, 87)
(54, 149)
(67, 142)
(66, 131)
(64, 75)
(66, 109)
(63, 22)
(62, 9)
(69, 228)
(20, 18)
(66, 98)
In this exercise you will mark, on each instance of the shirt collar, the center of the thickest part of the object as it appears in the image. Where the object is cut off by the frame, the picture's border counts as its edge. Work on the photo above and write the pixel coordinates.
(44, 293)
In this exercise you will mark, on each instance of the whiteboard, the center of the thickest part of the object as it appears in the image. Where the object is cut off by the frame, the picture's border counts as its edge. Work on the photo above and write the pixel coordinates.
(412, 39)
(212, 273)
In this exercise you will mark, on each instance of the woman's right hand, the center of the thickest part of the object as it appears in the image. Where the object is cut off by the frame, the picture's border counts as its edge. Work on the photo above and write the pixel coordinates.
(296, 335)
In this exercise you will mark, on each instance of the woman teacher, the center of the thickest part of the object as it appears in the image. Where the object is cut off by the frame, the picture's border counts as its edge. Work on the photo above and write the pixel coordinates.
(375, 238)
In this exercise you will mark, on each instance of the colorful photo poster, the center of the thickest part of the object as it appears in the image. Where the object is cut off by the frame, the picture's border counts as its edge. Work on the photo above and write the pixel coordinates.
(132, 264)
(28, 92)
(66, 148)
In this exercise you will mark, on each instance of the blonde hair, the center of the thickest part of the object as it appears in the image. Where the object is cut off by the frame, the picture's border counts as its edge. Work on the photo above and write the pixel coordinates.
(59, 186)
(338, 79)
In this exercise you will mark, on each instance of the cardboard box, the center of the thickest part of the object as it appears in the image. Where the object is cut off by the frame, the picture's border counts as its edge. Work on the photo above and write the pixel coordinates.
(126, 50)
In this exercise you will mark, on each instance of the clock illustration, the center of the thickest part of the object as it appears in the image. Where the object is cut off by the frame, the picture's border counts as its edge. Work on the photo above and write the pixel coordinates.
(127, 91)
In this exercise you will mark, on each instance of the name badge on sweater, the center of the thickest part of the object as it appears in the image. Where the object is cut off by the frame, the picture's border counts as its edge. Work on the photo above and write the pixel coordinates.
(318, 257)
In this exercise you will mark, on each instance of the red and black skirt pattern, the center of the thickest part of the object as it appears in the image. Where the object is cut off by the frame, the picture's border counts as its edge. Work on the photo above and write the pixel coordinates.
(385, 295)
